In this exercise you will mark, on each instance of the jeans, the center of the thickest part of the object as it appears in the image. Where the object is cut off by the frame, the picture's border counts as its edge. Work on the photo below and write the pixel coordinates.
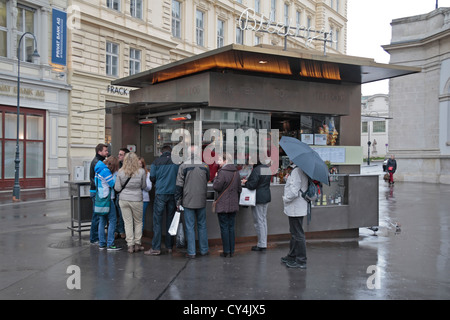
(391, 177)
(103, 220)
(163, 202)
(93, 237)
(120, 226)
(260, 221)
(226, 223)
(143, 215)
(189, 218)
(297, 245)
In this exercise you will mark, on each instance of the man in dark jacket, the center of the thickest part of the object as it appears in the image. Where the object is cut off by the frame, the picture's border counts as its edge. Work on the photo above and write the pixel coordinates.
(101, 152)
(191, 189)
(261, 182)
(163, 175)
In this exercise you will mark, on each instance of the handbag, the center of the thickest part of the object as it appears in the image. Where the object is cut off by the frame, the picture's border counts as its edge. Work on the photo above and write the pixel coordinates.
(248, 197)
(102, 206)
(213, 208)
(174, 225)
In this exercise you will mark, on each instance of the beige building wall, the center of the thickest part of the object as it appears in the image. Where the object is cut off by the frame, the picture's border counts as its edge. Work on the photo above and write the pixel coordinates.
(419, 133)
(39, 76)
(94, 25)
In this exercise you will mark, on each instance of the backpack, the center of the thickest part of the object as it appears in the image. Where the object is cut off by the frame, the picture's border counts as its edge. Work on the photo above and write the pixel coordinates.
(311, 194)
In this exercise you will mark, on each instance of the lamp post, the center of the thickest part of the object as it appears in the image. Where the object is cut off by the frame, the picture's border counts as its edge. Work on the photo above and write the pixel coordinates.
(16, 189)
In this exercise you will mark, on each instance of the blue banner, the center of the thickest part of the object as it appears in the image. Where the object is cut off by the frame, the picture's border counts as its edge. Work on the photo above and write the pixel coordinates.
(59, 34)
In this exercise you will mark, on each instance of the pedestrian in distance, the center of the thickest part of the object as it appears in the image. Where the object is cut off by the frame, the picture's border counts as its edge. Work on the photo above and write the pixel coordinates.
(101, 152)
(130, 182)
(191, 189)
(391, 168)
(120, 228)
(145, 192)
(228, 186)
(260, 181)
(296, 207)
(105, 178)
(163, 175)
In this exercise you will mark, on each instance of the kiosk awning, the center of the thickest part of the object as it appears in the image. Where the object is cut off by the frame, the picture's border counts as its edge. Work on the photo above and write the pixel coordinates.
(293, 64)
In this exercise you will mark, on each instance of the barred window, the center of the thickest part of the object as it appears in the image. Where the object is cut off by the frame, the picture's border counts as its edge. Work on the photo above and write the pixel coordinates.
(364, 127)
(379, 126)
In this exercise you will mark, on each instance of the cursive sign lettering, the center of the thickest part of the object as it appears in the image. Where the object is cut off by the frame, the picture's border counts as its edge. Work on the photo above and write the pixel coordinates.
(249, 20)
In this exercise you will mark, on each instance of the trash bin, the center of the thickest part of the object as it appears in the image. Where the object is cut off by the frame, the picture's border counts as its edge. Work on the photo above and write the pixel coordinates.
(80, 206)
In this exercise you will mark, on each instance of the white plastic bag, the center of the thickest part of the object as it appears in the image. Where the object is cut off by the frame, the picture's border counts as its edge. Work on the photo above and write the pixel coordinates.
(174, 225)
(247, 198)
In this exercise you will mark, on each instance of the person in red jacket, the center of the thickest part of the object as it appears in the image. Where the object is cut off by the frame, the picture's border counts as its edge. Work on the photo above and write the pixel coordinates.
(391, 168)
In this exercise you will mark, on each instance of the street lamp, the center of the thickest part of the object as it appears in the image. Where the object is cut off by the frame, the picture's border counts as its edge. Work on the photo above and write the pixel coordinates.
(16, 189)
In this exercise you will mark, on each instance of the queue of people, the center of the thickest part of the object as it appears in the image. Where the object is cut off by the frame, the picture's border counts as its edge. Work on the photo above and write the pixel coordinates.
(127, 181)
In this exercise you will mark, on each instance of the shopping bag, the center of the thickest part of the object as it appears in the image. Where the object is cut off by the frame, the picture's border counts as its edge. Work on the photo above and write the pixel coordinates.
(247, 198)
(180, 239)
(174, 225)
(102, 206)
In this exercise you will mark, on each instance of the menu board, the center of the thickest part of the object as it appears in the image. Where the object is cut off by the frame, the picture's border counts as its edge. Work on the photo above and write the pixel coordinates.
(308, 138)
(334, 155)
(320, 139)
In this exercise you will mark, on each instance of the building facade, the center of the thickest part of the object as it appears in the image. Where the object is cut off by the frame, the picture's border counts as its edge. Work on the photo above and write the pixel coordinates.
(44, 96)
(65, 108)
(375, 125)
(419, 134)
(117, 38)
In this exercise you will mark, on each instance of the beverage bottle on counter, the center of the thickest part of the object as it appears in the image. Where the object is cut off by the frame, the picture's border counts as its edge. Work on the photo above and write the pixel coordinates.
(338, 198)
(324, 200)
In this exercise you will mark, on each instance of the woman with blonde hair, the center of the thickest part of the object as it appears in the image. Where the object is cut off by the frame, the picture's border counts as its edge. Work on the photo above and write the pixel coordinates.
(130, 182)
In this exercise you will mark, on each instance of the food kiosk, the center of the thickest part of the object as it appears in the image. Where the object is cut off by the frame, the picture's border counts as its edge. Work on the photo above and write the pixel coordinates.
(301, 93)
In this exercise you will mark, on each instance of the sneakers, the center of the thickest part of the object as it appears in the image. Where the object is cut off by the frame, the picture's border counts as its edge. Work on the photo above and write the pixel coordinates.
(110, 248)
(295, 264)
(113, 248)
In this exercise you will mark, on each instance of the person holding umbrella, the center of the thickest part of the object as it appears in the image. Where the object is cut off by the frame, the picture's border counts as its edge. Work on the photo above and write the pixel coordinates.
(295, 207)
(306, 163)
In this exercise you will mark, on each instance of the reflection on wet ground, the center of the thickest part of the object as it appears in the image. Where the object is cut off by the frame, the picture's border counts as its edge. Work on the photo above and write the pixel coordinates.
(406, 258)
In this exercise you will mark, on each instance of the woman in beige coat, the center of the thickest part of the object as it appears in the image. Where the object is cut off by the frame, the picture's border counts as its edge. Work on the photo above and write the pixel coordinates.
(130, 182)
(295, 207)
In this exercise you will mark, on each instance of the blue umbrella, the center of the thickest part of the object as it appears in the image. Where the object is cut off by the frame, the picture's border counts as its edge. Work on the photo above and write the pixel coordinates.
(306, 159)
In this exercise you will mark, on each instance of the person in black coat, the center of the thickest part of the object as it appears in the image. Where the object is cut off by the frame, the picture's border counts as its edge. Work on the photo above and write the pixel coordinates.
(391, 168)
(261, 182)
(228, 185)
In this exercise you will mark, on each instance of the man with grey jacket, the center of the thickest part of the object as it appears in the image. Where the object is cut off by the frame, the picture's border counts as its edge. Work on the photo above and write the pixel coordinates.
(296, 207)
(190, 192)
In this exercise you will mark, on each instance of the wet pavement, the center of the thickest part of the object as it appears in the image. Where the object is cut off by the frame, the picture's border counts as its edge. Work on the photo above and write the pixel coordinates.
(407, 258)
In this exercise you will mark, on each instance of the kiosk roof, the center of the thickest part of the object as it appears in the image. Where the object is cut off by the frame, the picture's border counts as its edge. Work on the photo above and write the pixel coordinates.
(292, 64)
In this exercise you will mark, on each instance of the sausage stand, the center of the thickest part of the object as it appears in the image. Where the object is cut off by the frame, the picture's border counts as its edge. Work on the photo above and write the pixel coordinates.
(315, 98)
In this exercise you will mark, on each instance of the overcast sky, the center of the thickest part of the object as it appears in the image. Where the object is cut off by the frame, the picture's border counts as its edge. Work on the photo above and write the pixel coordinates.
(369, 28)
